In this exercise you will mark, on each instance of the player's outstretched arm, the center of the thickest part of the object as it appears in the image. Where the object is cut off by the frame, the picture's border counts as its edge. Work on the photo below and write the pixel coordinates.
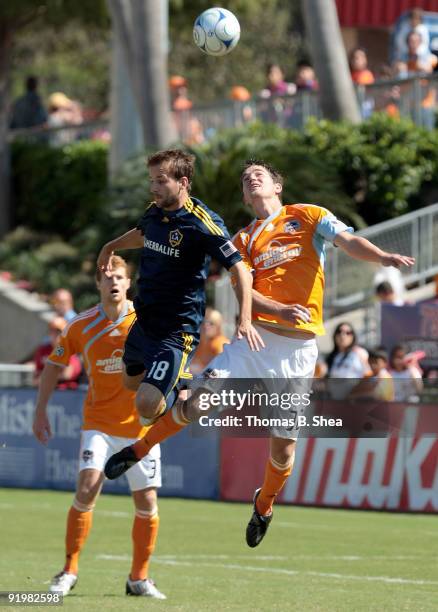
(289, 312)
(131, 240)
(243, 289)
(48, 381)
(361, 248)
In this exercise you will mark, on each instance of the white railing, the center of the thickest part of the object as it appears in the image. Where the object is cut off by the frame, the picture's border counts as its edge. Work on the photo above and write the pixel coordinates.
(16, 375)
(349, 282)
(414, 97)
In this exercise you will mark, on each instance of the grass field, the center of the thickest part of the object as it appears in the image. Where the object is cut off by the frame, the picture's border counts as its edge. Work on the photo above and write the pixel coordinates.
(311, 559)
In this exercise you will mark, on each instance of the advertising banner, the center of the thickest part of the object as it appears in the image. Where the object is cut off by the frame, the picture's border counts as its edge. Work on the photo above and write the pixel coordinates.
(190, 463)
(392, 473)
(415, 326)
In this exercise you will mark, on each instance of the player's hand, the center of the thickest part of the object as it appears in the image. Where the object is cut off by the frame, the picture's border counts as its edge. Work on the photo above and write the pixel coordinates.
(245, 329)
(41, 427)
(397, 261)
(295, 313)
(104, 258)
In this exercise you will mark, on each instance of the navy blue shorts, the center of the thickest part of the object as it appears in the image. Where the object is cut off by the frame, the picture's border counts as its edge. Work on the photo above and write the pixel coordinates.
(165, 361)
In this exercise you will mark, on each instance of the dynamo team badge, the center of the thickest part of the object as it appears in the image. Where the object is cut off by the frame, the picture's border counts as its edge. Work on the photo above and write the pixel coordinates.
(292, 226)
(175, 237)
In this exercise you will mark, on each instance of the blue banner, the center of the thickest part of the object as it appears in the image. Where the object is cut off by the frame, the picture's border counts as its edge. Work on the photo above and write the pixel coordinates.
(190, 463)
(415, 326)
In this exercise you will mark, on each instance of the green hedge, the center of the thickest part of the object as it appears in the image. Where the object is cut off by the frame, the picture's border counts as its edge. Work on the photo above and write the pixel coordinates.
(58, 189)
(365, 174)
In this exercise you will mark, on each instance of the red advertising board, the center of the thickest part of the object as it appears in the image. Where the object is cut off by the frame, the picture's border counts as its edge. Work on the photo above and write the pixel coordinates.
(394, 473)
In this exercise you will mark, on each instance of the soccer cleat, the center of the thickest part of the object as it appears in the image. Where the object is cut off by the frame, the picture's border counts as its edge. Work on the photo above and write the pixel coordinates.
(63, 583)
(143, 588)
(120, 462)
(258, 525)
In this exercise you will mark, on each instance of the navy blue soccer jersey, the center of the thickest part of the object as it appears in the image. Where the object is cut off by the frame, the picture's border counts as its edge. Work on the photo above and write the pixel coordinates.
(175, 259)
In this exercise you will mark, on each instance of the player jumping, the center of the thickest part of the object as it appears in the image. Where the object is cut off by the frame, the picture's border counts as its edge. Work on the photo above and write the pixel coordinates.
(178, 234)
(285, 249)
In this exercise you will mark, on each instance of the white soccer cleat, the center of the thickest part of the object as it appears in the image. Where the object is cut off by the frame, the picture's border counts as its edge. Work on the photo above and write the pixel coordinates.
(63, 583)
(143, 588)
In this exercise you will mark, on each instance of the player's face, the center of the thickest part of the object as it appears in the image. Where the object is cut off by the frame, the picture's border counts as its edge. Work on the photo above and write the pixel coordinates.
(165, 189)
(113, 286)
(258, 184)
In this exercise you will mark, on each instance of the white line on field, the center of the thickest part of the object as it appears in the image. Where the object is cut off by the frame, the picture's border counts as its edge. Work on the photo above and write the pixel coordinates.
(214, 557)
(274, 570)
(283, 557)
(115, 513)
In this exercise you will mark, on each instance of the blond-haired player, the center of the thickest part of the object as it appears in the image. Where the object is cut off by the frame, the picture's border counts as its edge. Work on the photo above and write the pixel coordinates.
(110, 422)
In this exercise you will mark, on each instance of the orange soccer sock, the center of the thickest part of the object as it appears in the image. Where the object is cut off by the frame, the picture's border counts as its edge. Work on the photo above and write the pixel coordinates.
(168, 425)
(144, 536)
(78, 527)
(275, 479)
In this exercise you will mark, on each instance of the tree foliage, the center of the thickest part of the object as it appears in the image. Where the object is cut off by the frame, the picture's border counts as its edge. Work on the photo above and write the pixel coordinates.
(270, 32)
(364, 174)
(67, 45)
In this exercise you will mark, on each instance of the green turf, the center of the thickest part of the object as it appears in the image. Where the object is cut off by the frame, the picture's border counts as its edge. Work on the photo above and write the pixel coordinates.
(311, 559)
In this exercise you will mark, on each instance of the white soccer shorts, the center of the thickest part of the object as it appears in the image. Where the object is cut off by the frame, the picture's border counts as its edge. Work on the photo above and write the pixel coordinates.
(97, 447)
(282, 358)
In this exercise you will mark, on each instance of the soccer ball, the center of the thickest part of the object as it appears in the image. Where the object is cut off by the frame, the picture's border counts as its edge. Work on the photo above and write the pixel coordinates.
(216, 31)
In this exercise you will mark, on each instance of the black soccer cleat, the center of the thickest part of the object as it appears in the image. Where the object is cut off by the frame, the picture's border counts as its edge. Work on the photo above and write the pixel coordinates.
(120, 462)
(258, 525)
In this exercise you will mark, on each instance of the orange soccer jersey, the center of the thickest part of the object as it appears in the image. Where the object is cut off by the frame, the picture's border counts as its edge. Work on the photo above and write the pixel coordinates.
(286, 254)
(108, 407)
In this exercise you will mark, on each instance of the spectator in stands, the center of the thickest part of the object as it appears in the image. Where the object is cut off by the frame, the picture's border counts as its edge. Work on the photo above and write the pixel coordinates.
(377, 383)
(361, 75)
(358, 62)
(347, 359)
(179, 93)
(63, 112)
(383, 385)
(408, 382)
(211, 343)
(386, 295)
(62, 302)
(70, 374)
(193, 132)
(28, 111)
(422, 63)
(275, 83)
(414, 23)
(242, 96)
(305, 78)
(395, 278)
(416, 60)
(188, 127)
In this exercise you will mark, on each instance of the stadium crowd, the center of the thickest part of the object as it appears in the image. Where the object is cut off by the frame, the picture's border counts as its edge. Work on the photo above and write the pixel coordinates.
(384, 87)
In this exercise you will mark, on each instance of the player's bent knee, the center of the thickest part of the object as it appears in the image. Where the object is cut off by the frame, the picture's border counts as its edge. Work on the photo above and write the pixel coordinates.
(149, 401)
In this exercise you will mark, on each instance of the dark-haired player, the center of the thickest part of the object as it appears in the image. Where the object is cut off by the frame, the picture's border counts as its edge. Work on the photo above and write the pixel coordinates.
(178, 235)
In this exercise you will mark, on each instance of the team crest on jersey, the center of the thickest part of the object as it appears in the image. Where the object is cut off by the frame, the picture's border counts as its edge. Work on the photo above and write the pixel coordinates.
(87, 455)
(59, 351)
(292, 226)
(175, 237)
